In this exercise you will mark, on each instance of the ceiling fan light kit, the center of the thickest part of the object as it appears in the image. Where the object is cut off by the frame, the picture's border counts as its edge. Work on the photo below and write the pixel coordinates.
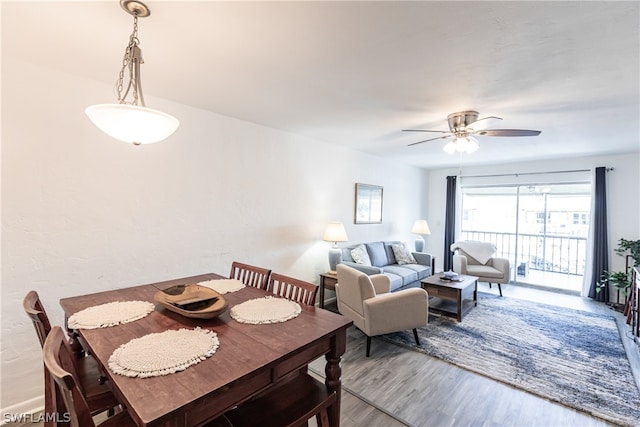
(467, 144)
(463, 127)
(132, 121)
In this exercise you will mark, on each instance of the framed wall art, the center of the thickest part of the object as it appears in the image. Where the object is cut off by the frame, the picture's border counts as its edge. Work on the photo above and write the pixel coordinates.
(368, 205)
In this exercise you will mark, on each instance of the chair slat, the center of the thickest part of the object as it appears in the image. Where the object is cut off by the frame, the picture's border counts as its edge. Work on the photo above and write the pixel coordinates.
(294, 289)
(250, 275)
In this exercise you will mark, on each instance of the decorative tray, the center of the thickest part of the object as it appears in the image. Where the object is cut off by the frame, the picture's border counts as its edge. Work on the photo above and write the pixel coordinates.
(195, 301)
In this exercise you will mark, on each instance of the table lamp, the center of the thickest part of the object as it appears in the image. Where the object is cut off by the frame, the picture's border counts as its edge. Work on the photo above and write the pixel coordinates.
(420, 227)
(335, 233)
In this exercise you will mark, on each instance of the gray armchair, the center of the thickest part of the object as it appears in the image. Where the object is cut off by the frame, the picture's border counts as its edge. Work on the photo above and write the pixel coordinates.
(494, 270)
(374, 310)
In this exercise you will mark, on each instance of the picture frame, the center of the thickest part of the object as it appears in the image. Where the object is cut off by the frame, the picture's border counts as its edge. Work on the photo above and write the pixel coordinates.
(368, 204)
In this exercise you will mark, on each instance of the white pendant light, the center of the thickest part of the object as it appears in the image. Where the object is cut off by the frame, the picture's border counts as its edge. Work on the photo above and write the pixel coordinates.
(132, 121)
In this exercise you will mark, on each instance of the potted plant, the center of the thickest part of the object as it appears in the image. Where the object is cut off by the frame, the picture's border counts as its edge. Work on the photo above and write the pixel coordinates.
(632, 246)
(621, 280)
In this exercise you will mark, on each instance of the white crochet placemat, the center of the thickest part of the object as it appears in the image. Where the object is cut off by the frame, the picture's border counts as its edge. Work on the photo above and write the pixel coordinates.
(222, 286)
(163, 353)
(265, 310)
(110, 314)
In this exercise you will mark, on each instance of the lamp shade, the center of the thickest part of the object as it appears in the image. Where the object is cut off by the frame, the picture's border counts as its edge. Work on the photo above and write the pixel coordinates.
(464, 144)
(472, 145)
(421, 227)
(131, 123)
(335, 232)
(450, 148)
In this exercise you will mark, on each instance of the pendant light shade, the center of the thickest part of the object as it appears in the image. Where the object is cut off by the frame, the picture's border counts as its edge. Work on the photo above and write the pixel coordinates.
(131, 123)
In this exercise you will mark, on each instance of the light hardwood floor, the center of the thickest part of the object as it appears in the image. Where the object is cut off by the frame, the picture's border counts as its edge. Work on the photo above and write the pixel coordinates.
(451, 396)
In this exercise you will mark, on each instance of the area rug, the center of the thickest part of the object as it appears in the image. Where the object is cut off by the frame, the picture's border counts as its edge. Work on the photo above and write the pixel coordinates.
(572, 357)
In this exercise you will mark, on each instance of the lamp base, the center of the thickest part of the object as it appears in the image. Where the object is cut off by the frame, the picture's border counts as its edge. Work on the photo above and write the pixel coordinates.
(335, 258)
(419, 244)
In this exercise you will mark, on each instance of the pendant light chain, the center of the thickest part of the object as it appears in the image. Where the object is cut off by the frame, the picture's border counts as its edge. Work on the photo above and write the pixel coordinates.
(131, 54)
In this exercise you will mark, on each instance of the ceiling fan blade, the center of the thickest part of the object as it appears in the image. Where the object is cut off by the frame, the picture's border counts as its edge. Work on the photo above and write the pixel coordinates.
(484, 123)
(424, 130)
(507, 132)
(432, 139)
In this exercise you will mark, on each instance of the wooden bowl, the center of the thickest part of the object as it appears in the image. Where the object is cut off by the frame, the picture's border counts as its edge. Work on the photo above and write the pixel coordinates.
(194, 301)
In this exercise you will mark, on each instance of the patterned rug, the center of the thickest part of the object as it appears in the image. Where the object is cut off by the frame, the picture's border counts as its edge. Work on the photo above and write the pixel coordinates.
(572, 357)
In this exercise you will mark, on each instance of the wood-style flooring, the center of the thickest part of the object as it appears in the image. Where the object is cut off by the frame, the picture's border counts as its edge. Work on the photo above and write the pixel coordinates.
(452, 396)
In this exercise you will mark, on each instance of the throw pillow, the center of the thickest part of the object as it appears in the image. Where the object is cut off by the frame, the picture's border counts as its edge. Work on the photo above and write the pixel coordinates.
(403, 254)
(360, 255)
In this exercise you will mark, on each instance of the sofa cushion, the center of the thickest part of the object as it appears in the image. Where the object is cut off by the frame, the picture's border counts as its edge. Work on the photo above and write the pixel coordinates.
(377, 254)
(389, 250)
(407, 274)
(422, 270)
(483, 271)
(346, 254)
(395, 281)
(403, 254)
(360, 255)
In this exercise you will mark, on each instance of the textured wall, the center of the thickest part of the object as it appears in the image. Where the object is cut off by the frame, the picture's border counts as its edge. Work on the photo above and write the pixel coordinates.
(84, 213)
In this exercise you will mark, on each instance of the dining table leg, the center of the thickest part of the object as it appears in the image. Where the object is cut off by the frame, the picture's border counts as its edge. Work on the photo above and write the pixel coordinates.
(333, 374)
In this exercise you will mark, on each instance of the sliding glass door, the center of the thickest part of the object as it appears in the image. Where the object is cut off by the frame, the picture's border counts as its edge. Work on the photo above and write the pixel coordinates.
(541, 229)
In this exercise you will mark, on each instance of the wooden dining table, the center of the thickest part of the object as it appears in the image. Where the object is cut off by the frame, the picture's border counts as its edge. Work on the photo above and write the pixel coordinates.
(250, 359)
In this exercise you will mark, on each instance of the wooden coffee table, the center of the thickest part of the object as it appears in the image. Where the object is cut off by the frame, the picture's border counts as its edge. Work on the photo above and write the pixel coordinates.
(455, 298)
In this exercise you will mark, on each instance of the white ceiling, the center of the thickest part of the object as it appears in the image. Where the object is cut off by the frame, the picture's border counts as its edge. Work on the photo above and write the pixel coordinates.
(357, 73)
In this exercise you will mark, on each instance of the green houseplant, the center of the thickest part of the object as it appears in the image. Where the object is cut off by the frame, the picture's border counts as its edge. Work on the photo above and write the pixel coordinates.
(632, 246)
(621, 280)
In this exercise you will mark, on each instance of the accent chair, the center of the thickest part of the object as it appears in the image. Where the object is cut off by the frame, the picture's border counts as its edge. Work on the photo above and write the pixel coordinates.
(368, 302)
(492, 270)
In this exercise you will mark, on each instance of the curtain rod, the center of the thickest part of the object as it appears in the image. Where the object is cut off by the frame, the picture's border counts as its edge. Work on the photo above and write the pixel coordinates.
(528, 173)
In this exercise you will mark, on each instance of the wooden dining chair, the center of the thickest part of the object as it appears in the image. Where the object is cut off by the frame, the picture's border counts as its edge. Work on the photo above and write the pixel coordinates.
(250, 275)
(294, 289)
(97, 394)
(290, 404)
(59, 363)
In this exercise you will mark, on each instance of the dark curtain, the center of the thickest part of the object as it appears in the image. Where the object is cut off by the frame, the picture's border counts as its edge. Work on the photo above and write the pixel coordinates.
(600, 239)
(450, 223)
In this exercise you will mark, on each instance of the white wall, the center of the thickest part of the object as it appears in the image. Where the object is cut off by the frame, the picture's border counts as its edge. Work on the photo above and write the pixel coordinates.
(83, 213)
(623, 196)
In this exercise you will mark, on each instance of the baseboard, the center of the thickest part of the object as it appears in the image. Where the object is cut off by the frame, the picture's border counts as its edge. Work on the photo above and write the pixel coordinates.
(29, 408)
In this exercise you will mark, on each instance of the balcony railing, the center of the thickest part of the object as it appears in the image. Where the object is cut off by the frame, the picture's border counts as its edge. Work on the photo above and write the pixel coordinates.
(557, 254)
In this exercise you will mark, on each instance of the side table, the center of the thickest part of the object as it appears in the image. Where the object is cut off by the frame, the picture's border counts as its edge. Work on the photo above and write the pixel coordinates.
(329, 281)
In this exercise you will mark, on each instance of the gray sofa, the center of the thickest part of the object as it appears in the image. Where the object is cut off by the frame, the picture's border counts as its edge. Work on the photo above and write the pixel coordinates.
(383, 261)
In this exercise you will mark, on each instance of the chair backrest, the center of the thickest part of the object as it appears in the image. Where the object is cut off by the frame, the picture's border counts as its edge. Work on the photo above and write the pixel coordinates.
(294, 289)
(354, 287)
(35, 310)
(470, 260)
(477, 253)
(58, 361)
(250, 275)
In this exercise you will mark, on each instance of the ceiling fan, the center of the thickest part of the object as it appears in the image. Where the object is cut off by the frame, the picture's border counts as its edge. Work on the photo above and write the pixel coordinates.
(464, 126)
